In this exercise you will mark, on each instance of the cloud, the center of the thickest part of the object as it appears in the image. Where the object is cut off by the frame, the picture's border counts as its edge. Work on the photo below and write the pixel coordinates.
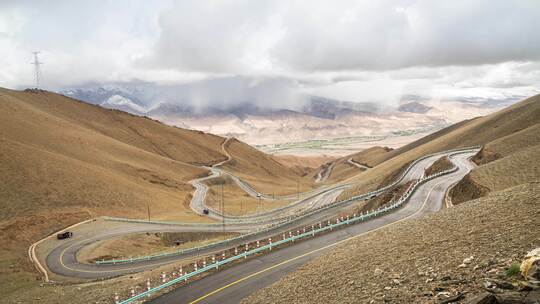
(246, 36)
(217, 36)
(352, 50)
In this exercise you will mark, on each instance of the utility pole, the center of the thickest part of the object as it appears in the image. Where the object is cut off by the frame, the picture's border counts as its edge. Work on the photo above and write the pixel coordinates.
(148, 209)
(298, 188)
(223, 207)
(37, 70)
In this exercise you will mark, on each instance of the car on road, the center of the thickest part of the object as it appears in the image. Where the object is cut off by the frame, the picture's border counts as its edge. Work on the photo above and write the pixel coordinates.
(206, 211)
(64, 235)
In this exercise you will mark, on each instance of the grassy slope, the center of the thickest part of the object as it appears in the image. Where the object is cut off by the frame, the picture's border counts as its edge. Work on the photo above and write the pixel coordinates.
(417, 249)
(478, 131)
(236, 201)
(303, 164)
(439, 165)
(63, 161)
(262, 171)
(61, 155)
(421, 254)
(342, 169)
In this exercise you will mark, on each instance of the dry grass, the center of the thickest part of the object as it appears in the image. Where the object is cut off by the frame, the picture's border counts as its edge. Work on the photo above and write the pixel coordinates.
(63, 161)
(142, 244)
(372, 156)
(480, 131)
(422, 255)
(304, 165)
(342, 169)
(262, 171)
(236, 201)
(439, 165)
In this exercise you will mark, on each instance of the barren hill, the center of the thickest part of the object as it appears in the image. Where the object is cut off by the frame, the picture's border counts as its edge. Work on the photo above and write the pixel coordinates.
(515, 119)
(262, 171)
(421, 260)
(63, 160)
(350, 165)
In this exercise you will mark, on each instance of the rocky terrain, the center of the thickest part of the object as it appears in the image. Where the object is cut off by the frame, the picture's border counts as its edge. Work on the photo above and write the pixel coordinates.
(439, 165)
(470, 253)
(446, 257)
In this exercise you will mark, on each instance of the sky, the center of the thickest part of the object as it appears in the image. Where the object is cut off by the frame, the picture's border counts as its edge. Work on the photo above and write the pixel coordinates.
(376, 51)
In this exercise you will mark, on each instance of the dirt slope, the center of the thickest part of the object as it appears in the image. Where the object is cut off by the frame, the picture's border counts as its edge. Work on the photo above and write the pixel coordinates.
(494, 128)
(439, 165)
(59, 155)
(62, 161)
(413, 261)
(343, 169)
(418, 261)
(262, 171)
(372, 156)
(303, 164)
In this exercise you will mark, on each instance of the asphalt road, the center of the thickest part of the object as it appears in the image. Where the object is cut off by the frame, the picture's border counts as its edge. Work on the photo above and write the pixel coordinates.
(356, 164)
(311, 200)
(62, 258)
(237, 282)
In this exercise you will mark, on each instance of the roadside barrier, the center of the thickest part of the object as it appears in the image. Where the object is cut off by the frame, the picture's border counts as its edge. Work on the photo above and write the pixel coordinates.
(293, 235)
(278, 222)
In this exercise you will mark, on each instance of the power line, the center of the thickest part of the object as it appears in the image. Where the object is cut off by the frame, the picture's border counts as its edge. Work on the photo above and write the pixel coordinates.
(37, 70)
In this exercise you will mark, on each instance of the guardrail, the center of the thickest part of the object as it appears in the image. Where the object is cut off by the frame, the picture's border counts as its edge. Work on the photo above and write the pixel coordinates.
(355, 218)
(184, 251)
(277, 223)
(378, 191)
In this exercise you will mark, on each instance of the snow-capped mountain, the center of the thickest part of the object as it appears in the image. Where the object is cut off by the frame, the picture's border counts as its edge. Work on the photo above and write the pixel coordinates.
(311, 117)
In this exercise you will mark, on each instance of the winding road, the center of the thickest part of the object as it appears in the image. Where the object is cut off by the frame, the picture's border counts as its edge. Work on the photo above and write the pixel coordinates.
(239, 281)
(357, 164)
(62, 259)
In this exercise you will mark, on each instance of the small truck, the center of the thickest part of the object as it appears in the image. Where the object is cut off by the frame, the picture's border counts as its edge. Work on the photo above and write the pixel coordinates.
(64, 235)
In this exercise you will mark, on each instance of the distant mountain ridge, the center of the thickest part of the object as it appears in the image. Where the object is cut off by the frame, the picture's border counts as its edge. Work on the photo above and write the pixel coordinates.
(256, 122)
(414, 107)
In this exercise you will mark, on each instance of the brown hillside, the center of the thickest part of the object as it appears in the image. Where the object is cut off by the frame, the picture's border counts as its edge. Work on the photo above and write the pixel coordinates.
(516, 119)
(303, 165)
(413, 260)
(508, 161)
(439, 165)
(342, 169)
(60, 155)
(410, 261)
(372, 156)
(262, 171)
(67, 160)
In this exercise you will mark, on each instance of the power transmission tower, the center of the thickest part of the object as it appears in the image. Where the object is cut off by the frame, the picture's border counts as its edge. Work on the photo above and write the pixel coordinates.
(37, 70)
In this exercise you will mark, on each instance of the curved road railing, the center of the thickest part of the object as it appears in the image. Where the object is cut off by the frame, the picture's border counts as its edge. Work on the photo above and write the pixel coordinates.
(376, 192)
(356, 218)
(291, 219)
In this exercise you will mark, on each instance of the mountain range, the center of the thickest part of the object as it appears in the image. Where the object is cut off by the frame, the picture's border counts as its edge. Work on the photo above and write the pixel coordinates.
(310, 117)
